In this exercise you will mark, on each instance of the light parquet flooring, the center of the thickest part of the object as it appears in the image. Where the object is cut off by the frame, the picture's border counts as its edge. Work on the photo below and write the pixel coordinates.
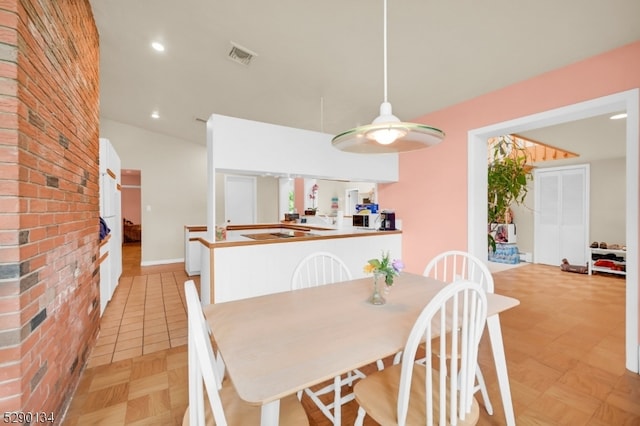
(564, 347)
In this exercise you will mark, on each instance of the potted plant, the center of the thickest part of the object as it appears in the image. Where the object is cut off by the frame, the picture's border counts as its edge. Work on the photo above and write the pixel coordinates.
(507, 178)
(313, 195)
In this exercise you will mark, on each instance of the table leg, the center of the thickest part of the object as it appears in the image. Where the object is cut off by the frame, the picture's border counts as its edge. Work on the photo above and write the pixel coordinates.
(497, 346)
(269, 415)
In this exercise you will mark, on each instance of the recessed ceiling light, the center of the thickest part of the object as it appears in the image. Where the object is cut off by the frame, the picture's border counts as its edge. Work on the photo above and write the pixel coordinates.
(618, 116)
(158, 46)
(155, 115)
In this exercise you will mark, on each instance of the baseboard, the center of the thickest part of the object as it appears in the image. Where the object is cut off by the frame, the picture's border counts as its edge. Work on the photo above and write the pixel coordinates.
(526, 257)
(161, 262)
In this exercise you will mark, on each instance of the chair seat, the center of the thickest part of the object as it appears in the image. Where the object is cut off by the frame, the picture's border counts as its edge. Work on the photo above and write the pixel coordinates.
(378, 396)
(240, 413)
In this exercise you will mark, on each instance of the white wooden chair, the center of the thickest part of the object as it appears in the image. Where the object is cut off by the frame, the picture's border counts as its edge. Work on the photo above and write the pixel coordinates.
(225, 406)
(455, 265)
(317, 269)
(411, 393)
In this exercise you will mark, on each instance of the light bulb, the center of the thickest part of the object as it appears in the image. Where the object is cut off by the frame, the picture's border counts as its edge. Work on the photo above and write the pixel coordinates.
(387, 135)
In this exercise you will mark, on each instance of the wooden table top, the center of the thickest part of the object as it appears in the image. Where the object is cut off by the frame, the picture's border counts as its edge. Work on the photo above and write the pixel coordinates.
(278, 344)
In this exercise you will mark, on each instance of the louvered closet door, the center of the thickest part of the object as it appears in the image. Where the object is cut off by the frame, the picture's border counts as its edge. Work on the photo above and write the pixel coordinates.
(561, 215)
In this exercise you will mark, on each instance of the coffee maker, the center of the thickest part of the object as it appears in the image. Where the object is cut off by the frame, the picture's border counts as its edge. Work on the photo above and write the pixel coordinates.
(387, 220)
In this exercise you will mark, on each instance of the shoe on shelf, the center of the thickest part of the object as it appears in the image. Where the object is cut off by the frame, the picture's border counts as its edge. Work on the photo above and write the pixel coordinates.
(603, 245)
(594, 244)
(614, 246)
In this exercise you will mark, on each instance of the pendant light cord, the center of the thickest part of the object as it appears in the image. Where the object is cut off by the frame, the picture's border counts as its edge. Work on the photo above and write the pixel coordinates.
(384, 35)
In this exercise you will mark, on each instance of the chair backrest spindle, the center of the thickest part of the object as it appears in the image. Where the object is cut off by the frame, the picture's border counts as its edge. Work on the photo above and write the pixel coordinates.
(318, 269)
(457, 316)
(457, 265)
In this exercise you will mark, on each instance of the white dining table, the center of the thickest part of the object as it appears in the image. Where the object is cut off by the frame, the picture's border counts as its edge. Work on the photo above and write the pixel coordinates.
(276, 345)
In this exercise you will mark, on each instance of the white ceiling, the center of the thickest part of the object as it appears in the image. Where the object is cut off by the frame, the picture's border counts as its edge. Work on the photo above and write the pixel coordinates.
(319, 64)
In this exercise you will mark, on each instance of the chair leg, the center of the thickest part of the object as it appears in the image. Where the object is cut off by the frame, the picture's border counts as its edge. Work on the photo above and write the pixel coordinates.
(325, 409)
(483, 391)
(360, 419)
(337, 406)
(380, 365)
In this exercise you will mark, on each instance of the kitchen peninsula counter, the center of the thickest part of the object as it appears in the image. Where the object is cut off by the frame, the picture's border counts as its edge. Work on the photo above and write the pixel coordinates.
(249, 234)
(259, 259)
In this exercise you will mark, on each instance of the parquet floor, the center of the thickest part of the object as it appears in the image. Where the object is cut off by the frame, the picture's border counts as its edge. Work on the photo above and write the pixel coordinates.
(564, 348)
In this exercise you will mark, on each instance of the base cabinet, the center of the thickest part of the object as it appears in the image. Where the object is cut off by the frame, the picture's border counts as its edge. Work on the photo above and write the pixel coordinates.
(612, 261)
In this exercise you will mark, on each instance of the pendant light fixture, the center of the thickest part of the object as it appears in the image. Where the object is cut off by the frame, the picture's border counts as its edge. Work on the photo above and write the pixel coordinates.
(387, 134)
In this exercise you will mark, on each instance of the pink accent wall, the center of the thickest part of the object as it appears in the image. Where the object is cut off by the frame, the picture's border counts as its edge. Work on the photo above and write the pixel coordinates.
(431, 195)
(131, 209)
(131, 197)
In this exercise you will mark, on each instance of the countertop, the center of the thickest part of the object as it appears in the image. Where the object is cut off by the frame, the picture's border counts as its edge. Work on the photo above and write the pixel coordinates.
(262, 233)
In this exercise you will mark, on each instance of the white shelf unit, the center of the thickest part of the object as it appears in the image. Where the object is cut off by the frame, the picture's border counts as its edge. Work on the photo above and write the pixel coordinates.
(617, 253)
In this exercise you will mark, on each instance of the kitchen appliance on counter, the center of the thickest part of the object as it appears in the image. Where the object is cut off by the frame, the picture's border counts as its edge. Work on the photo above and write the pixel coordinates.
(291, 217)
(366, 220)
(387, 220)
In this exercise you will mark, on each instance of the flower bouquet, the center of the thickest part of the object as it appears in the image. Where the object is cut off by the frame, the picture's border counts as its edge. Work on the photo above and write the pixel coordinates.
(385, 266)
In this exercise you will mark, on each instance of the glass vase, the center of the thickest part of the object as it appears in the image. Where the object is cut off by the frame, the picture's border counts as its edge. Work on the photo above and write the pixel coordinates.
(376, 297)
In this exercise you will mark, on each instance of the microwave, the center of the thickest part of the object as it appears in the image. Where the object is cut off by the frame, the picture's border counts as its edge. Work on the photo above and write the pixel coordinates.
(368, 221)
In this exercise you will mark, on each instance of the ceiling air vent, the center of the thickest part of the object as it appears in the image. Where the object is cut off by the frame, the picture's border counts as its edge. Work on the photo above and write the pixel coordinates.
(240, 54)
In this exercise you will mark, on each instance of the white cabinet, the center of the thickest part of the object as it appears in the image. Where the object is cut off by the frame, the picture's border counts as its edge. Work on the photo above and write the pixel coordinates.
(615, 261)
(192, 247)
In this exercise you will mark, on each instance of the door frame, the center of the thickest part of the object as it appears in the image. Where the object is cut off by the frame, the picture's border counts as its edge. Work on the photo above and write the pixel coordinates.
(628, 101)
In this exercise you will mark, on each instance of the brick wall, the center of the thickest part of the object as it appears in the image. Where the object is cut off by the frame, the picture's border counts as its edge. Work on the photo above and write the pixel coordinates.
(49, 201)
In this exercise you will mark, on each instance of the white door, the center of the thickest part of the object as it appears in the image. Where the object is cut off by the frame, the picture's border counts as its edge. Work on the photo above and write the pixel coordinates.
(240, 199)
(561, 228)
(352, 199)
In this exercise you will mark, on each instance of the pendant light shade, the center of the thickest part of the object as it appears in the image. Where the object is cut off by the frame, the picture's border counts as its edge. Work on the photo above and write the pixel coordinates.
(387, 134)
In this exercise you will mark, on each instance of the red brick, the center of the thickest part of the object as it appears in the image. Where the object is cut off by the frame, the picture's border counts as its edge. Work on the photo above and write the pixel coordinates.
(10, 372)
(10, 254)
(10, 204)
(10, 321)
(9, 305)
(8, 70)
(8, 137)
(14, 403)
(10, 388)
(8, 238)
(64, 96)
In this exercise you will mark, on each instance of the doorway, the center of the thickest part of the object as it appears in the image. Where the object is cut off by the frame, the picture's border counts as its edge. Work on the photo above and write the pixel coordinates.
(131, 195)
(477, 182)
(352, 200)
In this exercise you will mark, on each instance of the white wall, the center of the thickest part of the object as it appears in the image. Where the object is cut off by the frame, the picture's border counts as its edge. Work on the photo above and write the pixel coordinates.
(174, 185)
(607, 209)
(267, 202)
(332, 188)
(608, 201)
(290, 152)
(236, 145)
